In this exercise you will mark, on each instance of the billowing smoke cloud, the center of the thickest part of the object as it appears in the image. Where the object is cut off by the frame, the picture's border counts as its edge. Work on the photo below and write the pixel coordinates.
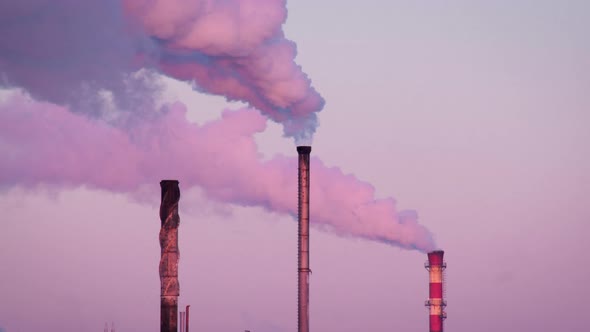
(96, 64)
(235, 48)
(70, 51)
(42, 143)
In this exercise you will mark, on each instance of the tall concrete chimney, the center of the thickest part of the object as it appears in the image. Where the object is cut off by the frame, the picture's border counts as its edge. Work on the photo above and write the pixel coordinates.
(303, 243)
(436, 302)
(169, 287)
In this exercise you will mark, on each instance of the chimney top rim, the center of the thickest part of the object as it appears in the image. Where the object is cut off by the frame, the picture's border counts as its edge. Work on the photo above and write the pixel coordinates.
(304, 149)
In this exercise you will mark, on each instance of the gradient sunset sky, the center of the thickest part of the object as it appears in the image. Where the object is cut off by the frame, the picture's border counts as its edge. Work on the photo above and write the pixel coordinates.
(476, 114)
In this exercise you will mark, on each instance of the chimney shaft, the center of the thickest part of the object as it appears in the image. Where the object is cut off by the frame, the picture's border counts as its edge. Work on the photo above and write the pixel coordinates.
(186, 318)
(436, 302)
(169, 288)
(303, 240)
(182, 322)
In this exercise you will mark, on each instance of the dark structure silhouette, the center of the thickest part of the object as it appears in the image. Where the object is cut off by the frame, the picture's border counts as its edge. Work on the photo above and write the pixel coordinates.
(169, 287)
(303, 240)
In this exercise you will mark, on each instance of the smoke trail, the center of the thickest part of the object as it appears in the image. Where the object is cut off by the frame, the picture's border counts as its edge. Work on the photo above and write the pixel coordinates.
(223, 161)
(235, 48)
(69, 52)
(101, 58)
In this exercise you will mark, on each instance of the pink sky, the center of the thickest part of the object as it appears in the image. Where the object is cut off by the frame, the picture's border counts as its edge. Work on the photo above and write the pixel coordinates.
(474, 115)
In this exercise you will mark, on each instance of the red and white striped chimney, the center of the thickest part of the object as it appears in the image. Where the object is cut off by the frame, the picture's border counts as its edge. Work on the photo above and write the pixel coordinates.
(436, 302)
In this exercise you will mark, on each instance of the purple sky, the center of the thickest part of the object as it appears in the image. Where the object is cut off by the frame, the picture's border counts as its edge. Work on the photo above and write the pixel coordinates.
(475, 115)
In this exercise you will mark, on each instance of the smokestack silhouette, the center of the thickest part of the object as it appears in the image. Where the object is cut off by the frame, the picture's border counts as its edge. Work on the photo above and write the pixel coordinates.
(303, 242)
(182, 315)
(436, 302)
(186, 317)
(170, 289)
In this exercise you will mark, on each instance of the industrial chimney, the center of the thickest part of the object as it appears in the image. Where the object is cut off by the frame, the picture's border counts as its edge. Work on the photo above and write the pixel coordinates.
(186, 318)
(182, 315)
(303, 240)
(436, 302)
(169, 288)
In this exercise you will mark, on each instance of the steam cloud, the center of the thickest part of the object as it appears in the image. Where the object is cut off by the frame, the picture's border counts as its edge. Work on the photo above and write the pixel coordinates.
(71, 55)
(59, 50)
(221, 157)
